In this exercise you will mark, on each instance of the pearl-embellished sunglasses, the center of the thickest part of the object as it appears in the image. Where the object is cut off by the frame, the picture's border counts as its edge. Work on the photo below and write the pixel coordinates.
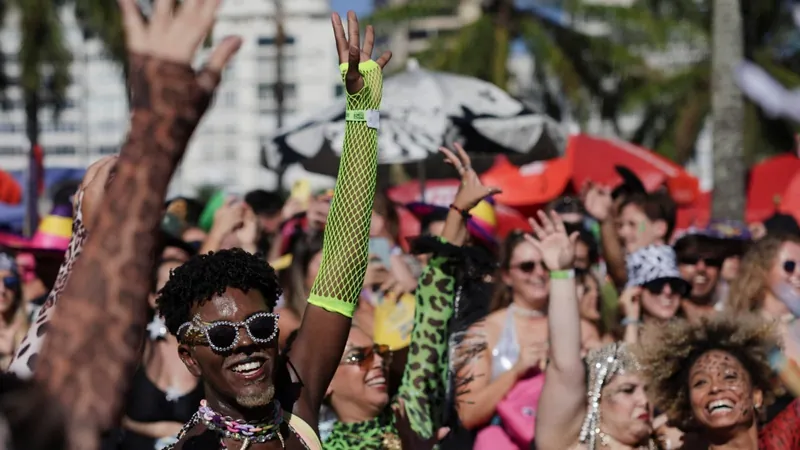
(223, 336)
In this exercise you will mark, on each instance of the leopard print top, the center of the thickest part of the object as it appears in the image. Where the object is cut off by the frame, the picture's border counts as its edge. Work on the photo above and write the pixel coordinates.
(423, 388)
(24, 361)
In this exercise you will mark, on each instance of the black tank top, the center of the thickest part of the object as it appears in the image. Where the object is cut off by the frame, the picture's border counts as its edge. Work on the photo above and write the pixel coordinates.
(147, 403)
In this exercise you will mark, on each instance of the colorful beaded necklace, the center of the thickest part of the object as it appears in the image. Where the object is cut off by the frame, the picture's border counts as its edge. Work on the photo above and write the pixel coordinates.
(229, 428)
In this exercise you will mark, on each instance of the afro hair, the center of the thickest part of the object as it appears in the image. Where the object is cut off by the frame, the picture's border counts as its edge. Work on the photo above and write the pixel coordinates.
(205, 276)
(667, 354)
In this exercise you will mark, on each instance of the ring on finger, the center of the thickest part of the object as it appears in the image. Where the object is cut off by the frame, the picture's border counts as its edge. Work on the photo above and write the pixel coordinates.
(467, 168)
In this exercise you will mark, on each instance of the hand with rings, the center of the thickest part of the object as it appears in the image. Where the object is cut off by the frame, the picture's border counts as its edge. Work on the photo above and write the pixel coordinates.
(472, 190)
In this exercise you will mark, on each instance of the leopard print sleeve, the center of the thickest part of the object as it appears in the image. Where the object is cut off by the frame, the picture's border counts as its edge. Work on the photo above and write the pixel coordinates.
(93, 345)
(423, 389)
(782, 432)
(24, 362)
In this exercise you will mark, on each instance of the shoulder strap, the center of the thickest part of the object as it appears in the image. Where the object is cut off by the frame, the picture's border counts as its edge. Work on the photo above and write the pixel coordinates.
(303, 431)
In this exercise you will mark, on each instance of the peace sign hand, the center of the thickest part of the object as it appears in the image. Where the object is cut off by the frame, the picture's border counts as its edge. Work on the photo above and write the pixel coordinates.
(471, 191)
(351, 52)
(557, 249)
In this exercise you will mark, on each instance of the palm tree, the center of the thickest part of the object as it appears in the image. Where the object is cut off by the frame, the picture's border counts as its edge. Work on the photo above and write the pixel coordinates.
(44, 60)
(727, 107)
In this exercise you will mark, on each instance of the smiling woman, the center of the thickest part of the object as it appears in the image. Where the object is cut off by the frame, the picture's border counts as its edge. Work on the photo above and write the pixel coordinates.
(714, 378)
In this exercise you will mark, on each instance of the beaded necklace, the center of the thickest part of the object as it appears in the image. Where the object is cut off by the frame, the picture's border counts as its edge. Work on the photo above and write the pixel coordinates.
(228, 428)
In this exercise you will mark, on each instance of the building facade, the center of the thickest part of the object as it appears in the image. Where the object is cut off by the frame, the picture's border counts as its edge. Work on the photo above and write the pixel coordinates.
(226, 148)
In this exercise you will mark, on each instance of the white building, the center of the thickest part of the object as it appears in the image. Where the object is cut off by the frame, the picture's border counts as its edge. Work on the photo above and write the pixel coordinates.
(96, 114)
(227, 145)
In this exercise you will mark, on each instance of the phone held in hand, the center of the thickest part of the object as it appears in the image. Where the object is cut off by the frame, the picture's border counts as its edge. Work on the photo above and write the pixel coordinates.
(382, 249)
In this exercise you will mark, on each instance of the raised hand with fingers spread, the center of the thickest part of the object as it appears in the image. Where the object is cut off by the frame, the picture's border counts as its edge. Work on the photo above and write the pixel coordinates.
(471, 191)
(557, 249)
(92, 345)
(354, 58)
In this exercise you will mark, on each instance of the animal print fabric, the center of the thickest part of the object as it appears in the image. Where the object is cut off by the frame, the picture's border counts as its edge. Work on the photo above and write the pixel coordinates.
(423, 388)
(88, 360)
(24, 362)
(782, 432)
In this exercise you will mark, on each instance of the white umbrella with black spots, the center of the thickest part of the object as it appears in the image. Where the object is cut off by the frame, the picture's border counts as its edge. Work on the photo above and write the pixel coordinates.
(422, 110)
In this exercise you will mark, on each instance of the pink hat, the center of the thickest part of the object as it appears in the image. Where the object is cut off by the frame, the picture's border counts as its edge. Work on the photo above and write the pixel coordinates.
(53, 234)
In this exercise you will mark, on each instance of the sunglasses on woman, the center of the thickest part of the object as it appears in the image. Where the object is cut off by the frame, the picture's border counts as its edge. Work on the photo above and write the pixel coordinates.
(223, 336)
(789, 267)
(656, 287)
(364, 356)
(529, 266)
(709, 262)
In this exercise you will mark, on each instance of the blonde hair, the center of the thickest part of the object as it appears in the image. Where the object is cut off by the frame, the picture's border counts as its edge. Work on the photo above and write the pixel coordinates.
(749, 289)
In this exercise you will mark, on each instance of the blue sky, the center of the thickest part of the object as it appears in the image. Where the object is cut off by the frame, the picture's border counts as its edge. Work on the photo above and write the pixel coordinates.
(359, 6)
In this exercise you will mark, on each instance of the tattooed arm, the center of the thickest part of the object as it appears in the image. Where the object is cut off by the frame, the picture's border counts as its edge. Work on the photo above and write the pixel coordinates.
(94, 339)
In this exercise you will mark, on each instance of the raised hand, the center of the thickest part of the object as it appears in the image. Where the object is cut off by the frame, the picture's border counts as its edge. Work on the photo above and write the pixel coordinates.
(557, 249)
(93, 187)
(597, 201)
(472, 190)
(351, 51)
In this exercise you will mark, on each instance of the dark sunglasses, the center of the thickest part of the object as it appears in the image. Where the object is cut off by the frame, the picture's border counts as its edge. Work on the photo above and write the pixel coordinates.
(364, 356)
(11, 282)
(789, 266)
(529, 266)
(676, 286)
(709, 262)
(223, 336)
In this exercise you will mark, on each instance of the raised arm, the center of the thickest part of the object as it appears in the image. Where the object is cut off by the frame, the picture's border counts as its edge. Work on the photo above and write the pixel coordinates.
(326, 322)
(424, 386)
(562, 404)
(94, 339)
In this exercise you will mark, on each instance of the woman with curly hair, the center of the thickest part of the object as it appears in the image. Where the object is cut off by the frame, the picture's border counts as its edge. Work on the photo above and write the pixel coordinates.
(713, 379)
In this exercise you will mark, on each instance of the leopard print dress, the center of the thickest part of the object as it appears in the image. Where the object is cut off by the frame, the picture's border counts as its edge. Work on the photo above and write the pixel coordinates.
(425, 377)
(24, 362)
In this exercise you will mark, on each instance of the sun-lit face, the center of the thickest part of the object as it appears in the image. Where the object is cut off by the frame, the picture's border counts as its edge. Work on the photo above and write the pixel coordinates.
(661, 301)
(786, 269)
(360, 381)
(625, 412)
(243, 376)
(636, 230)
(721, 393)
(702, 273)
(527, 275)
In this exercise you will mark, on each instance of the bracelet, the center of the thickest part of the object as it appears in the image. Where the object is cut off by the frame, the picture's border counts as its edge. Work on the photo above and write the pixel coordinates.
(629, 321)
(371, 116)
(562, 274)
(465, 214)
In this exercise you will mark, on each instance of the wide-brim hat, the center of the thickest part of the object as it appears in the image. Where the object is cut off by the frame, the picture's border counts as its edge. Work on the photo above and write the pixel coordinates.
(52, 236)
(655, 262)
(482, 224)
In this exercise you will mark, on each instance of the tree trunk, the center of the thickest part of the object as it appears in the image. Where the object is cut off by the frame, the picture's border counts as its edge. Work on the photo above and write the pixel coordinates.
(501, 43)
(32, 103)
(727, 108)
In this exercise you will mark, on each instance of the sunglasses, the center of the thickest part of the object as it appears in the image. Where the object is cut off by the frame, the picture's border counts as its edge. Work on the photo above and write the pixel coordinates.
(676, 286)
(529, 266)
(709, 262)
(789, 267)
(223, 336)
(364, 356)
(11, 282)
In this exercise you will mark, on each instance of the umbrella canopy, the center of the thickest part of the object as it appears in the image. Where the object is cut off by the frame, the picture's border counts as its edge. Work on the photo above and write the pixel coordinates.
(10, 189)
(768, 180)
(531, 184)
(790, 200)
(421, 111)
(595, 159)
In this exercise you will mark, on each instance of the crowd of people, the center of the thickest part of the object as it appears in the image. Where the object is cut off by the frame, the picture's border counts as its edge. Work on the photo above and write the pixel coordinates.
(262, 322)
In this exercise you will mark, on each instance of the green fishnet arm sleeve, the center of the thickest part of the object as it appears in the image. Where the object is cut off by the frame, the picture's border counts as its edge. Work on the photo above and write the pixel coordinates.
(346, 245)
(423, 388)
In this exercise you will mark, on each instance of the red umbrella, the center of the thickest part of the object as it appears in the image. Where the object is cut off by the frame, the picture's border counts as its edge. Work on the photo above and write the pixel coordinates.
(697, 213)
(10, 190)
(594, 160)
(769, 179)
(790, 200)
(530, 184)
